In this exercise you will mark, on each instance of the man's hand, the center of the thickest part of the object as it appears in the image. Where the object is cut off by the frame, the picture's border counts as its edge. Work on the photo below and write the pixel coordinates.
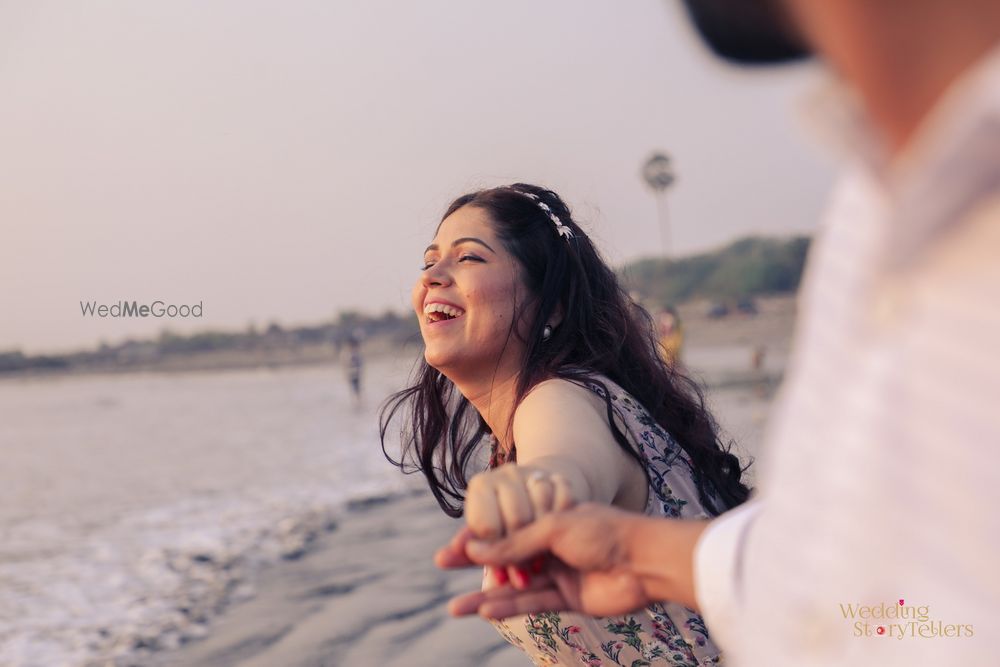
(596, 559)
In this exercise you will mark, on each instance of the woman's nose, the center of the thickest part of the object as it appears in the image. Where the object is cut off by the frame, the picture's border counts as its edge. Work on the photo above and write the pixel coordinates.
(436, 276)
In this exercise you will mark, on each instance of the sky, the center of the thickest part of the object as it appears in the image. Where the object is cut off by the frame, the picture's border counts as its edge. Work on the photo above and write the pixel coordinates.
(285, 160)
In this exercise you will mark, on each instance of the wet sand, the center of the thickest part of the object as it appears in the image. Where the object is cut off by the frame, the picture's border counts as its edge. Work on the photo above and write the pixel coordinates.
(366, 594)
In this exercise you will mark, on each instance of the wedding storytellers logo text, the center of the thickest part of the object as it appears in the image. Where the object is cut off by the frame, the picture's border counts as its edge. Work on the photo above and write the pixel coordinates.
(900, 620)
(135, 309)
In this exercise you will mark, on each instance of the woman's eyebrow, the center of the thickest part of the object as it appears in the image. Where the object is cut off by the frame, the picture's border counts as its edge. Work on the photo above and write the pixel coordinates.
(454, 243)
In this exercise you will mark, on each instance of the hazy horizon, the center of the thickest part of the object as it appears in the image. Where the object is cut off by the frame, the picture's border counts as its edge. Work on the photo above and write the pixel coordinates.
(285, 161)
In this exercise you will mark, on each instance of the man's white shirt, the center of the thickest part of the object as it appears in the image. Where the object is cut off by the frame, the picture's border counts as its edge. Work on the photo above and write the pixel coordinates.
(879, 489)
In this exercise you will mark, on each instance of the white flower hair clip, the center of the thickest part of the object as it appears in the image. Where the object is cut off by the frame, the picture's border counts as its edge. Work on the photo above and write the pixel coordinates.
(562, 229)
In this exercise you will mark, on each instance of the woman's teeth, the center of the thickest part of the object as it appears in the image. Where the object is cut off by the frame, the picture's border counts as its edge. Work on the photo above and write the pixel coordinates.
(436, 312)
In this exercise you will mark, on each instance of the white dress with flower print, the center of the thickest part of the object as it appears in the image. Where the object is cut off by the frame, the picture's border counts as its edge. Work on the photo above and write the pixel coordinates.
(661, 634)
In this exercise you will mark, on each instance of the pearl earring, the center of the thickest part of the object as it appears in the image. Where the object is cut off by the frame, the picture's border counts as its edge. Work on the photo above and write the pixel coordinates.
(547, 332)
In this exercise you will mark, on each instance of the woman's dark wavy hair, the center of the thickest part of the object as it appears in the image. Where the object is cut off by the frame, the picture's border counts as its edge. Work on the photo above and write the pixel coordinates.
(603, 330)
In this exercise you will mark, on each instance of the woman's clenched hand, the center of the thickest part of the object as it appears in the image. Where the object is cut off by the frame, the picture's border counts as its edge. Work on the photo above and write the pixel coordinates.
(511, 496)
(501, 500)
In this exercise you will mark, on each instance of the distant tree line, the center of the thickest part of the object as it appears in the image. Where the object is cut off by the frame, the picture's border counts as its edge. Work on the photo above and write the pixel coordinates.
(17, 361)
(348, 325)
(749, 267)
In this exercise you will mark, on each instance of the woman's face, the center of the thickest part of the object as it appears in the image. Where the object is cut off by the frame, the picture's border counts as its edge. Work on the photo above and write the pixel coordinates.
(468, 269)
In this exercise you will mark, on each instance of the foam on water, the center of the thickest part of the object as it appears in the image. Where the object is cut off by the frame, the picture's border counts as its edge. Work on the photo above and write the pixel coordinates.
(133, 509)
(155, 579)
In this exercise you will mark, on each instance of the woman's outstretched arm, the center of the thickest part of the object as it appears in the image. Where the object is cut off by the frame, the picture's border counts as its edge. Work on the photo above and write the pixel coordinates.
(566, 454)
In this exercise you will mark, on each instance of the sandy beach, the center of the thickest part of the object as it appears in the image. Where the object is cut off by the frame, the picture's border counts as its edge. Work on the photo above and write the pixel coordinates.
(366, 594)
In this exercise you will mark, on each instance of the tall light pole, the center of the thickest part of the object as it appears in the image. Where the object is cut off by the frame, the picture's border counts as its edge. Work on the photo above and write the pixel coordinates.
(658, 172)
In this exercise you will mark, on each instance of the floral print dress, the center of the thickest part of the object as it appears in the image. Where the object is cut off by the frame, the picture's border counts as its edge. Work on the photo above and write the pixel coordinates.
(661, 634)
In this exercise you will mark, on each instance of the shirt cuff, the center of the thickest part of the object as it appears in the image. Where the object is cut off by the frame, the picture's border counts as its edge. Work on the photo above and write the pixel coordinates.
(718, 558)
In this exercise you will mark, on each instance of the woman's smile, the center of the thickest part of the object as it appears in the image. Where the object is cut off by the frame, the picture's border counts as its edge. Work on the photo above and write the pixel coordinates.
(438, 312)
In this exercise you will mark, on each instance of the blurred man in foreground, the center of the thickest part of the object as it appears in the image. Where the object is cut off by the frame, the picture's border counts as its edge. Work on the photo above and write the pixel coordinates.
(875, 535)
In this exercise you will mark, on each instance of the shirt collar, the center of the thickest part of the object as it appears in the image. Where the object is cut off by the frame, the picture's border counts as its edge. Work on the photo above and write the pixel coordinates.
(952, 161)
(832, 113)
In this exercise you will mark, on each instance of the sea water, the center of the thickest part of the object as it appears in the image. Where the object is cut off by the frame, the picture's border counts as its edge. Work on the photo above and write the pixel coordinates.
(134, 507)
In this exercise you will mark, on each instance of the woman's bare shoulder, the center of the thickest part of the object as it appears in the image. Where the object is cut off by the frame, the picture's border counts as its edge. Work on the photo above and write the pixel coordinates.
(560, 418)
(558, 410)
(561, 396)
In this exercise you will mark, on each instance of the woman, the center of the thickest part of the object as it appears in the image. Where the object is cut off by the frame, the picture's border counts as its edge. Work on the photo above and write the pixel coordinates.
(534, 350)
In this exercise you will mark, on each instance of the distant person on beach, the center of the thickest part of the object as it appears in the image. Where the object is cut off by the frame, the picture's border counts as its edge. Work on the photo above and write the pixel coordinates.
(671, 334)
(355, 363)
(535, 354)
(874, 539)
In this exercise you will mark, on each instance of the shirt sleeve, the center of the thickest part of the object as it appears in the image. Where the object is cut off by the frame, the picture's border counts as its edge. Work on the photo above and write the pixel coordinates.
(718, 561)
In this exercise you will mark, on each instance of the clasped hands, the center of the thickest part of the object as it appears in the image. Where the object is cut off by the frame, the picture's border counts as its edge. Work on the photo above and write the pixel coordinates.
(543, 550)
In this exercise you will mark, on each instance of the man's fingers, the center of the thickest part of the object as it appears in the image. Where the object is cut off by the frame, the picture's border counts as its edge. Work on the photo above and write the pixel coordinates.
(469, 603)
(506, 601)
(453, 553)
(518, 547)
(466, 604)
(523, 602)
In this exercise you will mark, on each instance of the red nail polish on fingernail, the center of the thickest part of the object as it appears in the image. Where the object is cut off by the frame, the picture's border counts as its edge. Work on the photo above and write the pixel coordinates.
(523, 580)
(501, 574)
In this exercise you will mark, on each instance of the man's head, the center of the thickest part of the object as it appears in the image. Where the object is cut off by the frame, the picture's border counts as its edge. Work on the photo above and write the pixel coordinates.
(748, 31)
(879, 47)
